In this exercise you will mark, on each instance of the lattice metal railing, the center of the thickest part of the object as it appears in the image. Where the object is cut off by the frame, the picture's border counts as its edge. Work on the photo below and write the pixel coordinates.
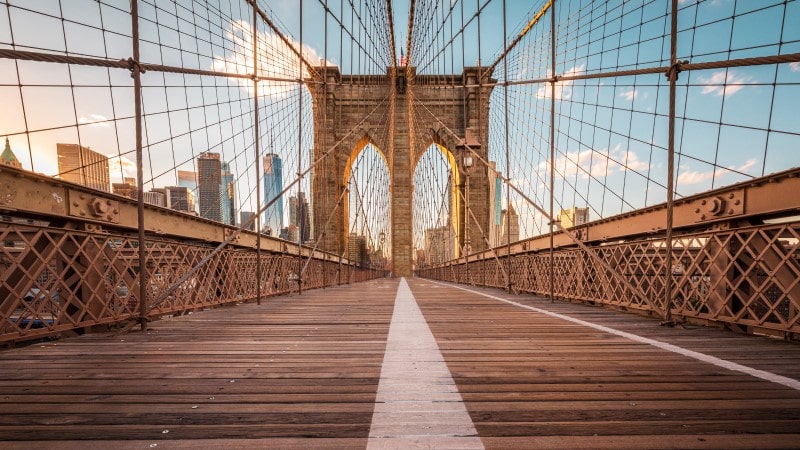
(57, 279)
(747, 278)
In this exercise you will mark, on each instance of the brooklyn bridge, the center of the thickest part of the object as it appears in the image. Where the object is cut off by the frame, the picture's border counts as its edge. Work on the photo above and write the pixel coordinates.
(400, 224)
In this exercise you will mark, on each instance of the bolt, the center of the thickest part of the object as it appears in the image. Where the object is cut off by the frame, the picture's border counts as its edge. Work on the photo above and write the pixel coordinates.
(82, 196)
(83, 213)
(730, 211)
(703, 217)
(703, 202)
(75, 203)
(730, 195)
(737, 202)
(697, 210)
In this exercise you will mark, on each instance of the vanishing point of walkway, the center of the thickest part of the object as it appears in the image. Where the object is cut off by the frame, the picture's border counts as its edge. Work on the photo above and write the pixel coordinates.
(403, 364)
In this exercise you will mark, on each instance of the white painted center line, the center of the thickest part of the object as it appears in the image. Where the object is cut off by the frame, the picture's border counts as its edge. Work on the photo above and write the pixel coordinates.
(730, 365)
(418, 404)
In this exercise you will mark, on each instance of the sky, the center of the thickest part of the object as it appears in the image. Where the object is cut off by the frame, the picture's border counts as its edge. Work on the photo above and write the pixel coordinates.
(611, 142)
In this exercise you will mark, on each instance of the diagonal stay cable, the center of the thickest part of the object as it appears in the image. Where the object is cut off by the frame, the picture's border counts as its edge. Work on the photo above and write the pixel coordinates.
(589, 251)
(165, 295)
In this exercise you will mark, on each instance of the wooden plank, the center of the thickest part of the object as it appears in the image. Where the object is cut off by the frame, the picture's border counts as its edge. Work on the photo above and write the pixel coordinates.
(536, 381)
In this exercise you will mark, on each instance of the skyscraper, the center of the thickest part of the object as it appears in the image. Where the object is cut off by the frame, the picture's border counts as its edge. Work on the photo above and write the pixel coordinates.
(510, 223)
(179, 198)
(188, 179)
(273, 185)
(228, 195)
(300, 216)
(244, 220)
(209, 185)
(573, 216)
(84, 166)
(9, 158)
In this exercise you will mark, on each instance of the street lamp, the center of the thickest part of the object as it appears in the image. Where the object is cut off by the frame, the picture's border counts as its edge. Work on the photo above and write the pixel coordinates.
(382, 240)
(466, 163)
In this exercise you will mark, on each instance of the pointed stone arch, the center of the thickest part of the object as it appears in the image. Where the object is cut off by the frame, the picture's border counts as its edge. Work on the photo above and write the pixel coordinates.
(456, 104)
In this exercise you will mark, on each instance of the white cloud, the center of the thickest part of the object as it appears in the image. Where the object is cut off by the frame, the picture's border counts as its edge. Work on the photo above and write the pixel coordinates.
(694, 177)
(277, 59)
(723, 83)
(94, 120)
(632, 94)
(563, 88)
(123, 164)
(597, 163)
(795, 66)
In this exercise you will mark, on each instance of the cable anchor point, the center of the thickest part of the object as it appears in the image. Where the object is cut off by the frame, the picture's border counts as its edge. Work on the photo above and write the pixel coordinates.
(134, 66)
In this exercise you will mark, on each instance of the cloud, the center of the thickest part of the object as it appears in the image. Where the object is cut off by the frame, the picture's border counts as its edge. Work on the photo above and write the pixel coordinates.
(94, 120)
(795, 66)
(597, 163)
(563, 88)
(277, 59)
(722, 83)
(694, 177)
(117, 164)
(632, 94)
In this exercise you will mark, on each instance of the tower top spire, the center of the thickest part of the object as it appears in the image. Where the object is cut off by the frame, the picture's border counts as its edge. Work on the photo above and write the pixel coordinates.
(8, 157)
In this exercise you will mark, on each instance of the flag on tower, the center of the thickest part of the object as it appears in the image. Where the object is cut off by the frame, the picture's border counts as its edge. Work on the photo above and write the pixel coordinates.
(402, 57)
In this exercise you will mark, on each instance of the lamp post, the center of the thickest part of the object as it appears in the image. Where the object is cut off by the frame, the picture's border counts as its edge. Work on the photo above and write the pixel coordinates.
(382, 240)
(466, 164)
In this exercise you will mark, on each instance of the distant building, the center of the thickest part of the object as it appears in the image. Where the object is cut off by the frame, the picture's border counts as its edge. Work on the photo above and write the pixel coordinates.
(357, 248)
(228, 192)
(510, 223)
(155, 197)
(495, 205)
(209, 184)
(299, 215)
(127, 188)
(8, 157)
(84, 166)
(439, 245)
(273, 185)
(573, 216)
(179, 198)
(244, 220)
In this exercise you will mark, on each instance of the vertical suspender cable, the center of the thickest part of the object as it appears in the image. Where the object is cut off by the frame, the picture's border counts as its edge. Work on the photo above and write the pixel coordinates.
(137, 102)
(257, 154)
(300, 156)
(508, 162)
(673, 78)
(323, 136)
(552, 142)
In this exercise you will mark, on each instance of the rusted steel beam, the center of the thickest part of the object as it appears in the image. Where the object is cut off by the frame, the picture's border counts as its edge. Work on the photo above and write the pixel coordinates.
(27, 193)
(761, 197)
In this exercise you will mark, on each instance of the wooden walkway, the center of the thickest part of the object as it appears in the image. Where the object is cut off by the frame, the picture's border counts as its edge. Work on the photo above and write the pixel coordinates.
(308, 372)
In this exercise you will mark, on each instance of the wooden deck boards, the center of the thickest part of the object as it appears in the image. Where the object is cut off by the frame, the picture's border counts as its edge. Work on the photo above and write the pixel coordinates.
(303, 372)
(533, 381)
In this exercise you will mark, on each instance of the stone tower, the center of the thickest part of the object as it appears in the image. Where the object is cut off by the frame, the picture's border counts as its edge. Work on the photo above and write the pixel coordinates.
(351, 111)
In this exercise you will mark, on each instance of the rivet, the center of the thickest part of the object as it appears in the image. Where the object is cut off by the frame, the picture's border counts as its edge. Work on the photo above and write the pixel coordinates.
(83, 213)
(730, 211)
(703, 217)
(82, 196)
(697, 210)
(75, 203)
(737, 202)
(703, 202)
(730, 195)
